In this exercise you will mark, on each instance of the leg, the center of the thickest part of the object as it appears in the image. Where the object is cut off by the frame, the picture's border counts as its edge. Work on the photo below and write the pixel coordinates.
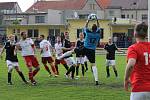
(95, 72)
(66, 66)
(73, 71)
(115, 70)
(83, 70)
(21, 74)
(53, 67)
(47, 69)
(10, 68)
(107, 70)
(86, 66)
(77, 69)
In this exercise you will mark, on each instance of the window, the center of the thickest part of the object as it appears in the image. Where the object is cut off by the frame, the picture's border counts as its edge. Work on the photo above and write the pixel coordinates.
(128, 16)
(102, 33)
(54, 32)
(123, 16)
(92, 6)
(83, 16)
(39, 19)
(78, 32)
(144, 17)
(33, 32)
(132, 16)
(111, 13)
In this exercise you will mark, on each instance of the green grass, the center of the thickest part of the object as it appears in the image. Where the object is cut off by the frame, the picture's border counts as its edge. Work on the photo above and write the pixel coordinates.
(65, 89)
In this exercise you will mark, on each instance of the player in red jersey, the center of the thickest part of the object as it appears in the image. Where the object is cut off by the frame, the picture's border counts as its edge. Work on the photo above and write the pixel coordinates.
(46, 49)
(138, 67)
(26, 45)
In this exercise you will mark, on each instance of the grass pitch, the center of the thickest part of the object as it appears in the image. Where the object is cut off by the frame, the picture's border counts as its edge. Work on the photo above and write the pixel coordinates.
(61, 88)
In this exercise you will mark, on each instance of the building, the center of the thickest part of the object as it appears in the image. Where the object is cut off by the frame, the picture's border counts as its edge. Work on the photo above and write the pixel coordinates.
(52, 18)
(7, 8)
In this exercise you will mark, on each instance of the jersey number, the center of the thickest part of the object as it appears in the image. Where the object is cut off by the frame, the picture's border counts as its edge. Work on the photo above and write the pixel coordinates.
(147, 56)
(46, 47)
(93, 40)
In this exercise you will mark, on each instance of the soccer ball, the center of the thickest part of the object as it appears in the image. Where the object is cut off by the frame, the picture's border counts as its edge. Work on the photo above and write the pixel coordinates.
(92, 17)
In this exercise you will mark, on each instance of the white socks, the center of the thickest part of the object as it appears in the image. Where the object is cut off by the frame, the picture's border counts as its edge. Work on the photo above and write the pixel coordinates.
(66, 54)
(95, 73)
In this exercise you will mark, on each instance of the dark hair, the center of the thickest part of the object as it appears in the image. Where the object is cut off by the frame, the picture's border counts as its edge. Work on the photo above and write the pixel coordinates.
(42, 36)
(22, 33)
(94, 27)
(141, 30)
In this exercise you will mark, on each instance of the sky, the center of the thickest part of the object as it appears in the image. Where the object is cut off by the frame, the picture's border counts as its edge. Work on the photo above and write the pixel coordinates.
(24, 4)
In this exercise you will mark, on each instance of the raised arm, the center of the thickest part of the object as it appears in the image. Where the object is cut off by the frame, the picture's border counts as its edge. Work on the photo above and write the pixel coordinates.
(97, 23)
(86, 24)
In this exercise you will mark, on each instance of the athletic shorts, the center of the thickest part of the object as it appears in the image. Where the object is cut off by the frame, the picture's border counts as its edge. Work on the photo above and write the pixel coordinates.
(140, 96)
(85, 59)
(90, 54)
(12, 64)
(70, 61)
(31, 61)
(110, 62)
(46, 60)
(80, 60)
(60, 61)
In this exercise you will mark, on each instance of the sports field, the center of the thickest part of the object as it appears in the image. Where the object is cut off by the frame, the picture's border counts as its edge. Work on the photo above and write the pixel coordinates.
(61, 88)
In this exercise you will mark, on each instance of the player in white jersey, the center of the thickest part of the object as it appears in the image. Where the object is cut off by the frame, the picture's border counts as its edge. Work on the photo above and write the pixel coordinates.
(46, 49)
(26, 45)
(59, 52)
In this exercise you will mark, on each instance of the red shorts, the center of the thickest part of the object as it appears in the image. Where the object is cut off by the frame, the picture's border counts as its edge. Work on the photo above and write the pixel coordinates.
(47, 59)
(31, 61)
(60, 61)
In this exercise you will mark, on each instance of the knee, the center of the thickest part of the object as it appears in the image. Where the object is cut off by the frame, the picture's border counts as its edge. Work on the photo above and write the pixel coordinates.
(38, 68)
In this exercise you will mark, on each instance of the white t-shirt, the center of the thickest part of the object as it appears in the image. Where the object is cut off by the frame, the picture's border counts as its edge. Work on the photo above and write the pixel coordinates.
(45, 46)
(58, 48)
(26, 46)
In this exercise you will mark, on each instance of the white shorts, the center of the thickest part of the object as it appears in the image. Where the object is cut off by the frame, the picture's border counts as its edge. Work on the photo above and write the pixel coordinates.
(12, 64)
(70, 61)
(80, 60)
(140, 96)
(110, 62)
(85, 59)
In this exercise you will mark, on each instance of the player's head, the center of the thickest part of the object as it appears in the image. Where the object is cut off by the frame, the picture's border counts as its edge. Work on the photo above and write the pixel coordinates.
(110, 40)
(94, 27)
(23, 35)
(140, 31)
(11, 37)
(42, 37)
(58, 39)
(81, 36)
(66, 34)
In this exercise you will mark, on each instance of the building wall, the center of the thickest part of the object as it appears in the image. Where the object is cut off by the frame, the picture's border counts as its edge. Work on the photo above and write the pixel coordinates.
(43, 29)
(79, 24)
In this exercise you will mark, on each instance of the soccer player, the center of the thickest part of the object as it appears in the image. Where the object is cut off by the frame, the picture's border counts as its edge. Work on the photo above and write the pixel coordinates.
(11, 59)
(92, 38)
(79, 54)
(46, 49)
(111, 48)
(59, 52)
(26, 45)
(137, 71)
(69, 59)
(91, 41)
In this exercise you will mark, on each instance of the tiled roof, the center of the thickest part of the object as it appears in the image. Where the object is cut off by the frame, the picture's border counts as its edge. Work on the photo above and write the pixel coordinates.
(7, 5)
(65, 4)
